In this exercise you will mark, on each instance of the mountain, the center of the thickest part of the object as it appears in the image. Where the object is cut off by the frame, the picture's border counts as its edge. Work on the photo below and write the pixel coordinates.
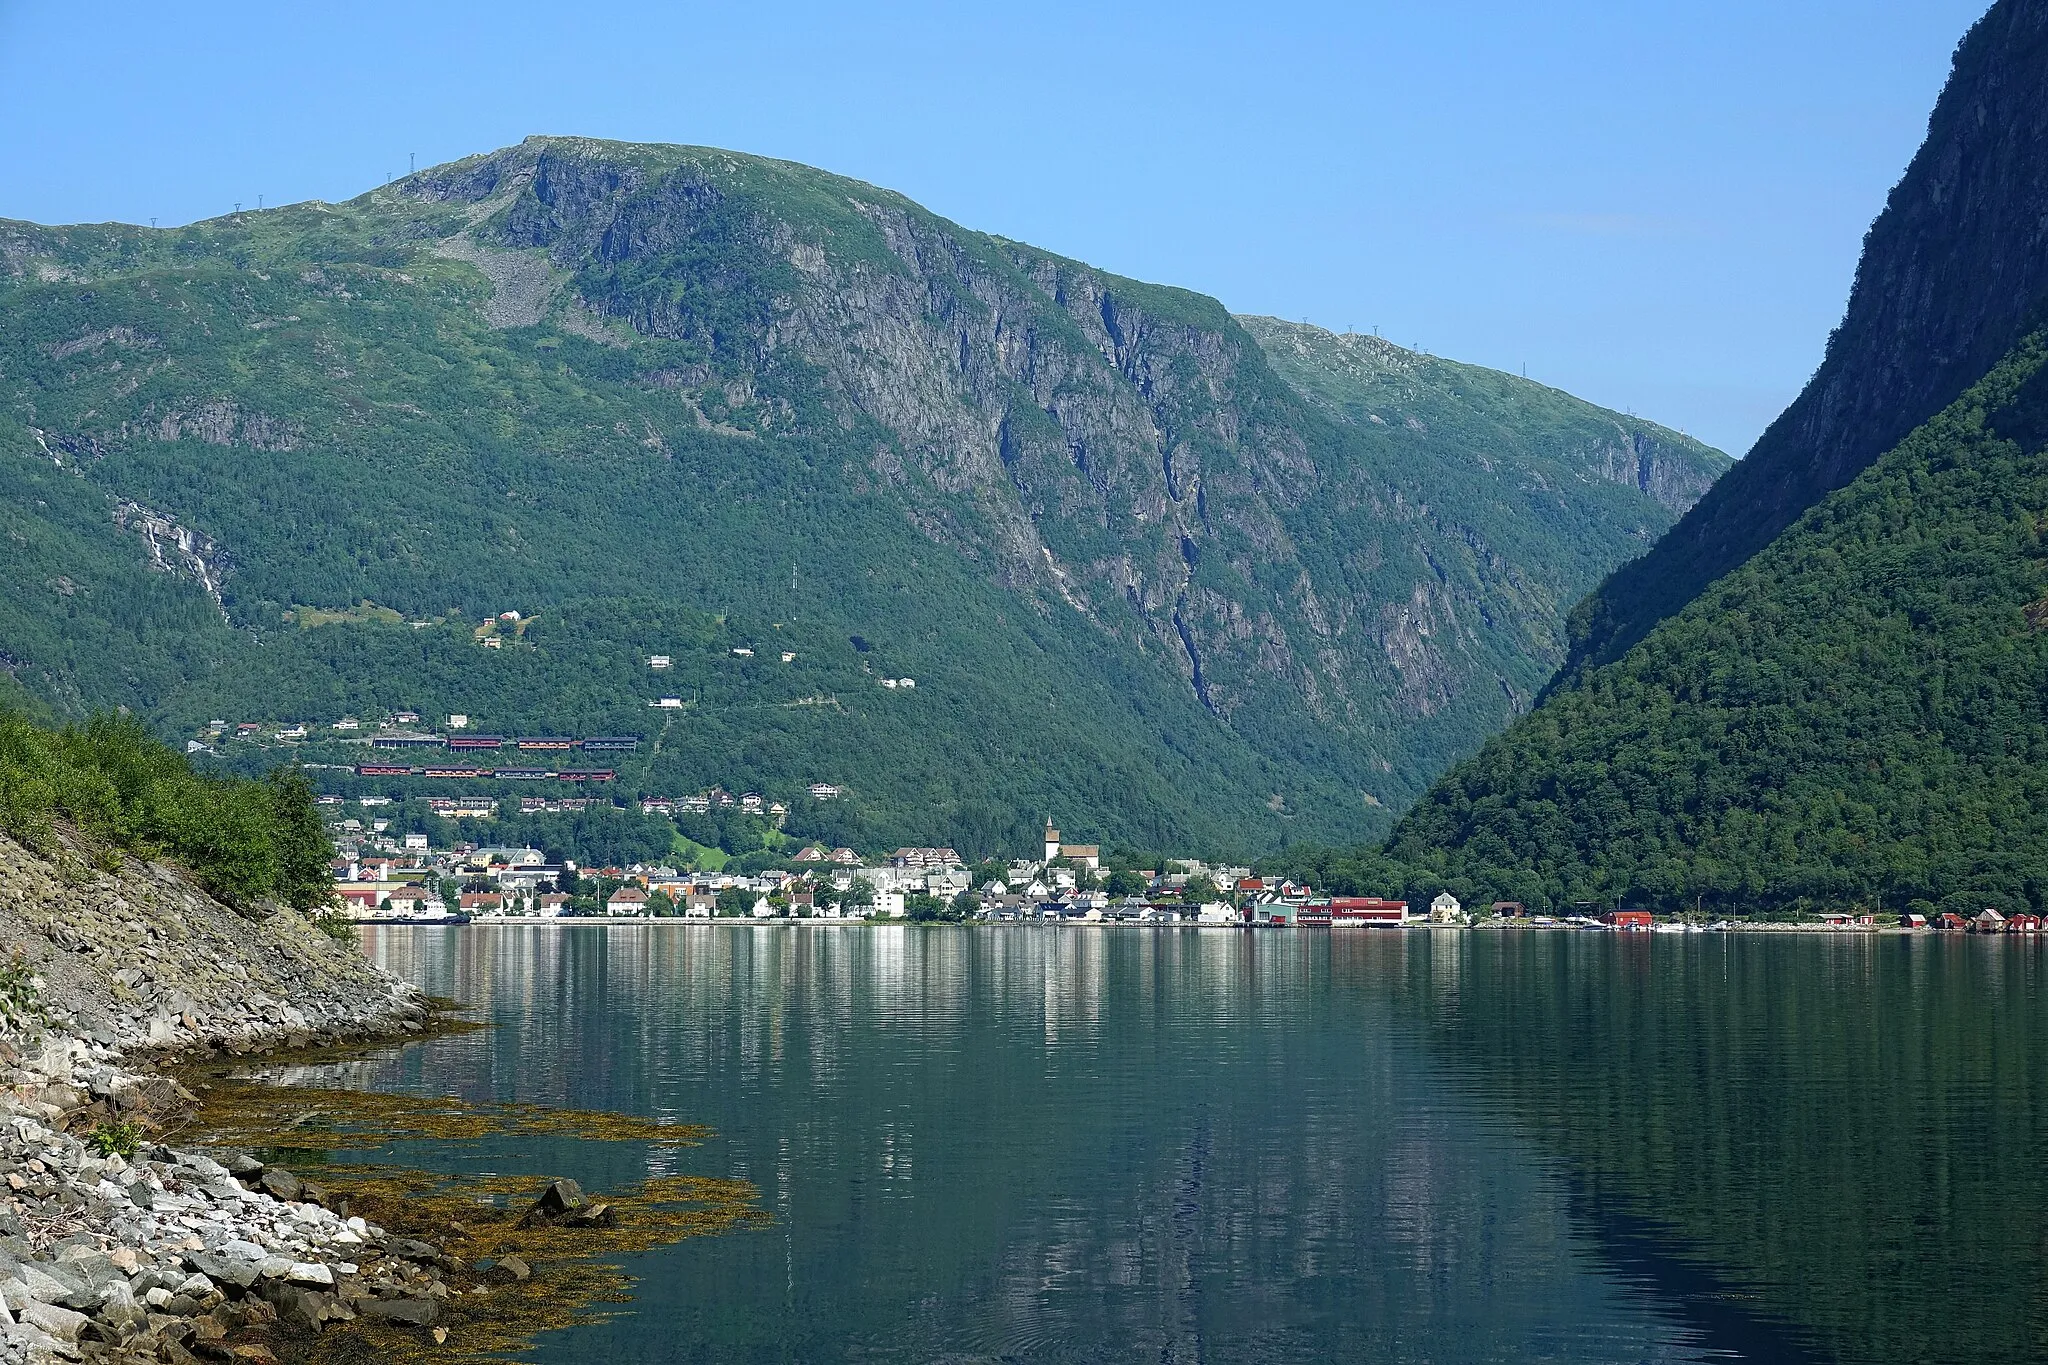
(803, 437)
(1563, 456)
(1853, 714)
(1853, 717)
(1953, 273)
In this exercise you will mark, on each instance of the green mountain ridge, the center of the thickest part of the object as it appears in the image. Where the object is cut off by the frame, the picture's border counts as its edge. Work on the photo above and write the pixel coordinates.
(1824, 687)
(1852, 718)
(1953, 273)
(1545, 440)
(1148, 567)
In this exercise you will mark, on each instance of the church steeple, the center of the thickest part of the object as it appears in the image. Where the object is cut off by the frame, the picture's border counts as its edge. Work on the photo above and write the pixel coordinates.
(1052, 840)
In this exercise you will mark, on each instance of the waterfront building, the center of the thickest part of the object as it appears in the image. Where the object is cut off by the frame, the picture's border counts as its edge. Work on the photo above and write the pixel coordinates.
(1365, 912)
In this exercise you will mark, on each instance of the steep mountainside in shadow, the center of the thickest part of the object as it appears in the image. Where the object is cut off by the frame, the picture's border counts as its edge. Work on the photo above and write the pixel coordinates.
(1855, 717)
(682, 401)
(1953, 273)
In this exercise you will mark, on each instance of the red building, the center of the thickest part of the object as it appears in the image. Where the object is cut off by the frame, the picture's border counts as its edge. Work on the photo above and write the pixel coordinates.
(1637, 920)
(1366, 912)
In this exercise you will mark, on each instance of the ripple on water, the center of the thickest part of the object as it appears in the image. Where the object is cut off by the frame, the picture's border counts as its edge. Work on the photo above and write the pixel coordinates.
(1106, 1145)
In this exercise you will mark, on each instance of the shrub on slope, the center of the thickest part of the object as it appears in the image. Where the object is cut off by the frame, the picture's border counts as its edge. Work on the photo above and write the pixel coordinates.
(249, 841)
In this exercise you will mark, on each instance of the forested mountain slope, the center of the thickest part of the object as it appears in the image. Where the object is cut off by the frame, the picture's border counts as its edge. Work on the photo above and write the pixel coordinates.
(1953, 273)
(1814, 697)
(681, 401)
(1856, 716)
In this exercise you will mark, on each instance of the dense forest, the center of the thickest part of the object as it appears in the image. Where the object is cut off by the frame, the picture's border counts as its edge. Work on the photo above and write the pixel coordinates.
(1854, 717)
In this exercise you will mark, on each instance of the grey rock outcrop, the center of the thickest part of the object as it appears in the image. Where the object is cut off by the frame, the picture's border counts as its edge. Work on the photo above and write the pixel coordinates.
(142, 1257)
(142, 958)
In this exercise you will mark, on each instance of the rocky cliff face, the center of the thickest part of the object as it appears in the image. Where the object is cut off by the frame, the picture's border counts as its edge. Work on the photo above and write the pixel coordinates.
(609, 376)
(1953, 272)
(1109, 448)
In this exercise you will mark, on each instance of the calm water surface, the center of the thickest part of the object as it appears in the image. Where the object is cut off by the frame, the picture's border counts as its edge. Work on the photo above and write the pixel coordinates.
(1039, 1145)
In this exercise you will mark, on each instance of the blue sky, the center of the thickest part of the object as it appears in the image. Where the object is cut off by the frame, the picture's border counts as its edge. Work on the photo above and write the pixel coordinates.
(1656, 205)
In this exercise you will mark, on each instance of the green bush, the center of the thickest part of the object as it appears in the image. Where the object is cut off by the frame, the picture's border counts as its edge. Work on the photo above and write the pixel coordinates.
(122, 1139)
(246, 840)
(336, 925)
(21, 1002)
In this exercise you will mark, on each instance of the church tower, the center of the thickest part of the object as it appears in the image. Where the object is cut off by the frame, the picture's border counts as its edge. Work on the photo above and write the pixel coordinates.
(1052, 840)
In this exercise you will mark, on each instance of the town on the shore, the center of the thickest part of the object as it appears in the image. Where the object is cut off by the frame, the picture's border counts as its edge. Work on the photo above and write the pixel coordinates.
(388, 871)
(383, 880)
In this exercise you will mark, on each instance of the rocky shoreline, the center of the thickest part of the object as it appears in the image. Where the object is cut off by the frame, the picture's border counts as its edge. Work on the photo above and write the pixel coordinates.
(114, 1246)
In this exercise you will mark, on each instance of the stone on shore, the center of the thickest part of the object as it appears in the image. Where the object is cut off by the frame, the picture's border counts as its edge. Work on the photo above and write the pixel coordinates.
(558, 1200)
(509, 1270)
(411, 1312)
(126, 1251)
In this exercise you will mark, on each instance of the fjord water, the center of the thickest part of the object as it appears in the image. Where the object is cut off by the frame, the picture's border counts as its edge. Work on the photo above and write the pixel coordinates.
(1036, 1144)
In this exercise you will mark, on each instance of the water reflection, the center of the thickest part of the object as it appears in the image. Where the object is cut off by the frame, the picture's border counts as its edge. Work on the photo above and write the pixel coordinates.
(1111, 1145)
(1844, 1130)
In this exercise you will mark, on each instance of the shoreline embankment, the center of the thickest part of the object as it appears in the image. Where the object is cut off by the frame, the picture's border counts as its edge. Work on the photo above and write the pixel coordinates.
(114, 1246)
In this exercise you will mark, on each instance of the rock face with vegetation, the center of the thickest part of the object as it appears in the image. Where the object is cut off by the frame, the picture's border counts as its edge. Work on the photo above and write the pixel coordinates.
(159, 907)
(111, 1245)
(1852, 718)
(1852, 715)
(1188, 579)
(1953, 273)
(143, 957)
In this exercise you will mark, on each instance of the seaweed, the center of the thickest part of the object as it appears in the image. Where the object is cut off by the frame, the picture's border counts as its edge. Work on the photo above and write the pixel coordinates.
(473, 1218)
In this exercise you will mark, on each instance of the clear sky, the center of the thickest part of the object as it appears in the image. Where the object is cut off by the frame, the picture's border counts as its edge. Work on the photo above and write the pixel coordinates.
(1656, 204)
